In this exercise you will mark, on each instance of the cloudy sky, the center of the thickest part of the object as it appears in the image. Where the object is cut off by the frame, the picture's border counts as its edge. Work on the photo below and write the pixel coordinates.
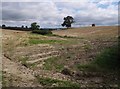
(51, 13)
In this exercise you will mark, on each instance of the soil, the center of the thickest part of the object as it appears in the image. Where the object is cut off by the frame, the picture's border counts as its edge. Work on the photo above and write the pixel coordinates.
(22, 61)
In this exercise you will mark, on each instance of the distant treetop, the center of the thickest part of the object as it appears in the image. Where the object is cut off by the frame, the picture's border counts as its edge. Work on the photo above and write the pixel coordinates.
(34, 26)
(68, 21)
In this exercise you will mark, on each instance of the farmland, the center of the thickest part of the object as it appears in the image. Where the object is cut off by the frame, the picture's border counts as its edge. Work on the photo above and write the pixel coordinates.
(63, 59)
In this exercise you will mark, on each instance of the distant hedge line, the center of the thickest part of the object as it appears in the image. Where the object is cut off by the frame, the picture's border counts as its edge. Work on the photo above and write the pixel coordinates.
(42, 32)
(17, 28)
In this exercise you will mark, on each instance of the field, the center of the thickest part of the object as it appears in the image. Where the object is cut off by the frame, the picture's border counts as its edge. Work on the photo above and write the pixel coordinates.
(63, 59)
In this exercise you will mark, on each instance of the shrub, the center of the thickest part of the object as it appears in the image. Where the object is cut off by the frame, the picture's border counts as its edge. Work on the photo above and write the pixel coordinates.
(42, 32)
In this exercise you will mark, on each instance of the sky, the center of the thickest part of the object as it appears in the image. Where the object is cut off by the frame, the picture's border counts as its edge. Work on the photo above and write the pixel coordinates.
(50, 13)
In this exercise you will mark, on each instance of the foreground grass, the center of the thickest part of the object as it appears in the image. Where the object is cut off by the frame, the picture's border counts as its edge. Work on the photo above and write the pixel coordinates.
(55, 35)
(107, 60)
(56, 83)
(53, 64)
(37, 41)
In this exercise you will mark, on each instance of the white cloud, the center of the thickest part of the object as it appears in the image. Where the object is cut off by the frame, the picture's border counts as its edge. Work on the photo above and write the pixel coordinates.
(50, 14)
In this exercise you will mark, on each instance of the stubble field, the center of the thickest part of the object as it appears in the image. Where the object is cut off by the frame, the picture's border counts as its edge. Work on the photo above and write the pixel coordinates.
(31, 60)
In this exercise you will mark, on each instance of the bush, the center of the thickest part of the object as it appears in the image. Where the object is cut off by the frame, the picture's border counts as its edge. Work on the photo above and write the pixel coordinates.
(42, 32)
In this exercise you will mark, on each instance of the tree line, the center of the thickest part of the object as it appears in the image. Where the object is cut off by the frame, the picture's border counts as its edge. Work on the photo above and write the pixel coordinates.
(34, 26)
(67, 22)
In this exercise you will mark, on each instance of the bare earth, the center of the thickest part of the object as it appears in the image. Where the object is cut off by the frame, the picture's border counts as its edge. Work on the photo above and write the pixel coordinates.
(23, 61)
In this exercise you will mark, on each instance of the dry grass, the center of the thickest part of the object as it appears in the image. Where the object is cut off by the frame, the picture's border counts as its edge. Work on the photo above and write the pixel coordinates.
(73, 46)
(88, 31)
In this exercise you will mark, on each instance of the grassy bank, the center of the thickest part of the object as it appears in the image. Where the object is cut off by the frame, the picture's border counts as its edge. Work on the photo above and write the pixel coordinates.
(56, 83)
(107, 60)
(37, 41)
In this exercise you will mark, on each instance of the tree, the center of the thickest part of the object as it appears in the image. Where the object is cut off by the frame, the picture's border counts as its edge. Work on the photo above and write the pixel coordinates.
(22, 26)
(93, 25)
(26, 27)
(68, 21)
(34, 26)
(3, 26)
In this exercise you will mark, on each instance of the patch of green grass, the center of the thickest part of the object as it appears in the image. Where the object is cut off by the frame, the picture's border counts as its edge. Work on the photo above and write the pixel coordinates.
(58, 83)
(35, 36)
(105, 61)
(65, 36)
(108, 59)
(52, 64)
(37, 41)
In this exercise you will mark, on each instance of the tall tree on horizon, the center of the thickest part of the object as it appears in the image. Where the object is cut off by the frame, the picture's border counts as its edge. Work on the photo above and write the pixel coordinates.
(68, 21)
(34, 26)
(3, 26)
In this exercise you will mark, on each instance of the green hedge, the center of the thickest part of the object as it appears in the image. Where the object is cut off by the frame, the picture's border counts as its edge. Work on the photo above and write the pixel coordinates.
(42, 32)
